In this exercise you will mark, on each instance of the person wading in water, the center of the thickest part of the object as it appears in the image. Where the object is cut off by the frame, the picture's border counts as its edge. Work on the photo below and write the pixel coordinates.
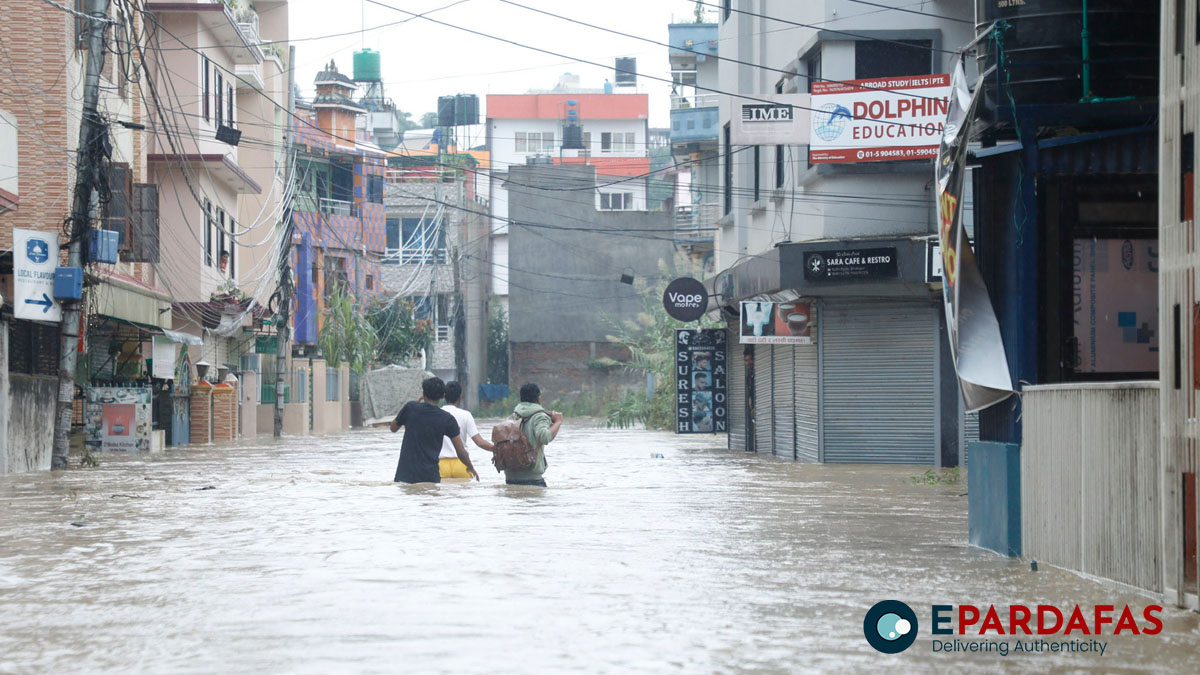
(448, 462)
(425, 425)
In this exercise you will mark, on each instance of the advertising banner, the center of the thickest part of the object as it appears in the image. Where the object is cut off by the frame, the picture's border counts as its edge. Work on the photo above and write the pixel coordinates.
(35, 257)
(878, 120)
(700, 384)
(163, 350)
(1116, 305)
(117, 419)
(770, 119)
(974, 332)
(776, 323)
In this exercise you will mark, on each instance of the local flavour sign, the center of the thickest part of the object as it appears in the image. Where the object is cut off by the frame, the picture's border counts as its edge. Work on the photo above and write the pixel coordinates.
(700, 381)
(877, 120)
(865, 263)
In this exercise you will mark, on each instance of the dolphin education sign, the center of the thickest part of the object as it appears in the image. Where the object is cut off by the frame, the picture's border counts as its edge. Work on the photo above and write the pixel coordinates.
(878, 120)
(974, 333)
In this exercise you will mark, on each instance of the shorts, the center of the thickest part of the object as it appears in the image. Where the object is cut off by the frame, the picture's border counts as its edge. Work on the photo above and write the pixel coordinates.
(453, 467)
(540, 482)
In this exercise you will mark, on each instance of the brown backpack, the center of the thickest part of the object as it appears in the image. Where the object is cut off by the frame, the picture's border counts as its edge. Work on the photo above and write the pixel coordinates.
(513, 451)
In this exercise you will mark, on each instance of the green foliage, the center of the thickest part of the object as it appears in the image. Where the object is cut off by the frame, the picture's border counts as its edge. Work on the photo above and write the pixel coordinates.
(497, 346)
(346, 333)
(949, 476)
(429, 120)
(650, 339)
(400, 334)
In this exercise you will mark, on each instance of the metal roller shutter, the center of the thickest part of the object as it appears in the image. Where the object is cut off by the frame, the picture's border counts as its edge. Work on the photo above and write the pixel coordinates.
(879, 387)
(806, 410)
(783, 400)
(764, 434)
(736, 408)
(970, 434)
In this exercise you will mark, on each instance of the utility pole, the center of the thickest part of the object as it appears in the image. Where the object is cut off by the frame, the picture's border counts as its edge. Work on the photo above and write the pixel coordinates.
(285, 265)
(88, 164)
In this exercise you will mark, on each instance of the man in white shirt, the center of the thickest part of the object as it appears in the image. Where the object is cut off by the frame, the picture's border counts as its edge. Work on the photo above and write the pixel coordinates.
(449, 465)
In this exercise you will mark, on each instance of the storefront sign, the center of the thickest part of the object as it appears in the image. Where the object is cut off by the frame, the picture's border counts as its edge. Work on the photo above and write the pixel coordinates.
(117, 419)
(685, 299)
(700, 381)
(974, 333)
(163, 353)
(866, 263)
(35, 256)
(770, 119)
(933, 260)
(878, 120)
(776, 323)
(1116, 305)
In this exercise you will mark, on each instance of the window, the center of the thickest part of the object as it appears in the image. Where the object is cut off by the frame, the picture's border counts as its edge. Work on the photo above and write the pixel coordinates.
(335, 275)
(727, 177)
(375, 189)
(899, 58)
(757, 172)
(534, 141)
(220, 227)
(616, 201)
(726, 9)
(813, 67)
(587, 141)
(618, 141)
(232, 251)
(369, 283)
(424, 241)
(443, 318)
(82, 24)
(780, 166)
(392, 237)
(229, 99)
(208, 233)
(220, 99)
(117, 210)
(205, 94)
(144, 233)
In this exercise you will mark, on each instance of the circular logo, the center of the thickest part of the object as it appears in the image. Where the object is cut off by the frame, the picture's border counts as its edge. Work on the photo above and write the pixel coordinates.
(830, 121)
(816, 264)
(890, 626)
(685, 299)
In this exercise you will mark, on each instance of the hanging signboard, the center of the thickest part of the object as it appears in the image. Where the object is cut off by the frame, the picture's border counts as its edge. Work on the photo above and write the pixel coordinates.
(700, 384)
(35, 256)
(974, 332)
(1116, 305)
(776, 323)
(685, 299)
(117, 419)
(770, 119)
(163, 351)
(865, 263)
(878, 120)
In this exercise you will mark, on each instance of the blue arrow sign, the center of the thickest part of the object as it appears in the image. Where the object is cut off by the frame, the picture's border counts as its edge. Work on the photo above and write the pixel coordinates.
(45, 302)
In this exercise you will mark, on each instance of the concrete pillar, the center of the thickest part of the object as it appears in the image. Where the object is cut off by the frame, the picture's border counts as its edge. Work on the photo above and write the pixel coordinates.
(320, 417)
(249, 405)
(224, 412)
(201, 413)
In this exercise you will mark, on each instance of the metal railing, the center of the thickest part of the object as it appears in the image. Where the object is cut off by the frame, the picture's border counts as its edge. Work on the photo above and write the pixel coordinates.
(420, 174)
(333, 384)
(444, 333)
(415, 256)
(336, 207)
(698, 101)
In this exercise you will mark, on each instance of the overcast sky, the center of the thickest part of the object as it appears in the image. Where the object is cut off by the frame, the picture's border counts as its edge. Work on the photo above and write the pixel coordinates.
(423, 60)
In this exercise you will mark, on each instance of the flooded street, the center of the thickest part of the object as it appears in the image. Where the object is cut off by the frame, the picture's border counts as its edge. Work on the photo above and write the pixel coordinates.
(304, 557)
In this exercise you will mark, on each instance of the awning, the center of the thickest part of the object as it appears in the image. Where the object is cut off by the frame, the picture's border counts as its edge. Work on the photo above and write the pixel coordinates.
(123, 297)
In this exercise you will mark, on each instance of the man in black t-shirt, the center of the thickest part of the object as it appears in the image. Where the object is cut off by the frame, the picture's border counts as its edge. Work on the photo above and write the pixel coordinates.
(424, 426)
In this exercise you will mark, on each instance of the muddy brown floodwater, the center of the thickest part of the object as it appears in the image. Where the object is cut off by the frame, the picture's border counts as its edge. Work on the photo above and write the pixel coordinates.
(304, 557)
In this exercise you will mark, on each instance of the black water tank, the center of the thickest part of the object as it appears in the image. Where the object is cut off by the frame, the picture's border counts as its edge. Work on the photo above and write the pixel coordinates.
(445, 111)
(573, 137)
(1044, 48)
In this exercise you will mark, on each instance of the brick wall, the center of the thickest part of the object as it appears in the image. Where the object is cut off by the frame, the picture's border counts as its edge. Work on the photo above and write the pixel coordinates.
(201, 409)
(225, 413)
(561, 369)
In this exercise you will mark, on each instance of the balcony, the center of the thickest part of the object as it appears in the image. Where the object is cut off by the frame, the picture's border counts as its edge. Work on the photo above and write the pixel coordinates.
(692, 41)
(695, 224)
(694, 119)
(337, 207)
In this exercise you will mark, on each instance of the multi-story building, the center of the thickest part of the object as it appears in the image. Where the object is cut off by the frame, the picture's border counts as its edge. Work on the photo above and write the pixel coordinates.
(695, 123)
(339, 212)
(876, 382)
(527, 128)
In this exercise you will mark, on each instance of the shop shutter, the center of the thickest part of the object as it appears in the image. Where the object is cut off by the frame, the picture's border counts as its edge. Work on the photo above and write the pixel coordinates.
(970, 435)
(878, 380)
(783, 400)
(736, 392)
(807, 420)
(764, 435)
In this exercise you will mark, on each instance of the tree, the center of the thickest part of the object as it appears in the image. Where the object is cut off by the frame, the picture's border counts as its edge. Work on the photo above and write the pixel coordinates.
(346, 333)
(497, 346)
(429, 120)
(400, 334)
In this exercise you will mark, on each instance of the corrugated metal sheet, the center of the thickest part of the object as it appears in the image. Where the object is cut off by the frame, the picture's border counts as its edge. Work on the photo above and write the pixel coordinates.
(807, 415)
(764, 430)
(736, 391)
(970, 433)
(783, 400)
(1109, 152)
(1090, 481)
(880, 388)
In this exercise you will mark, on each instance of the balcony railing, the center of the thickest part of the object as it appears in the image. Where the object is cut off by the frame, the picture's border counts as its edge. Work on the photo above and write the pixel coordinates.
(415, 256)
(420, 175)
(697, 101)
(694, 223)
(337, 207)
(444, 333)
(247, 23)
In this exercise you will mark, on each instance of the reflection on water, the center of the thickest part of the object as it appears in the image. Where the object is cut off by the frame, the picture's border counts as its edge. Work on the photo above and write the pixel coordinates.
(303, 556)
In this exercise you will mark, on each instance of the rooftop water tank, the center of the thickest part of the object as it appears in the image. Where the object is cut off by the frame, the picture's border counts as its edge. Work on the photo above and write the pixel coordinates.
(1044, 48)
(366, 66)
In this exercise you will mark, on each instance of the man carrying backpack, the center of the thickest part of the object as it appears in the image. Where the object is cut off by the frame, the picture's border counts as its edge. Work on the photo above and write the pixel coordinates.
(425, 425)
(523, 458)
